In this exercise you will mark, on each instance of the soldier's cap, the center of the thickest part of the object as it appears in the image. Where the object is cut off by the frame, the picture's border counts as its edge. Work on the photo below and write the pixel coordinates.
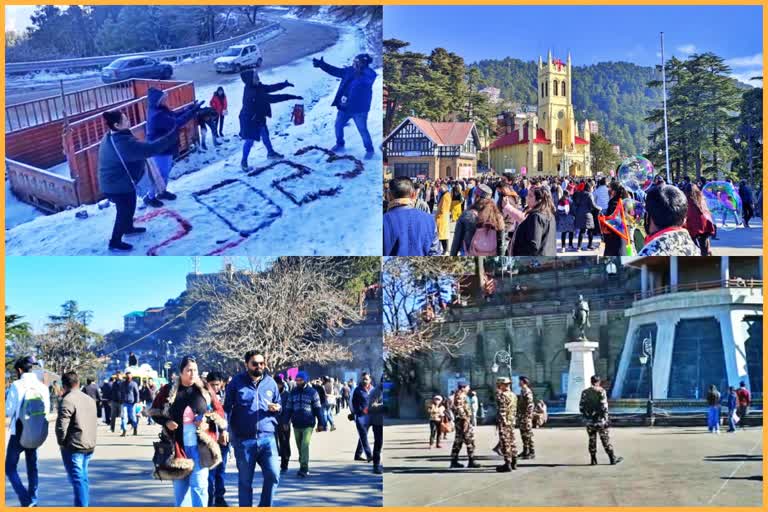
(503, 380)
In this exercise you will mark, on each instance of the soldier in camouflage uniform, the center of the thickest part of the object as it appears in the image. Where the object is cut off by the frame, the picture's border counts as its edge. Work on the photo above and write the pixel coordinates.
(465, 433)
(594, 411)
(506, 407)
(525, 408)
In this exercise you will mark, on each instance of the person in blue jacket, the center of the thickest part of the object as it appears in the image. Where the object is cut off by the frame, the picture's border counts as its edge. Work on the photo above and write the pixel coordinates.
(257, 107)
(161, 121)
(252, 405)
(733, 402)
(304, 410)
(353, 98)
(368, 409)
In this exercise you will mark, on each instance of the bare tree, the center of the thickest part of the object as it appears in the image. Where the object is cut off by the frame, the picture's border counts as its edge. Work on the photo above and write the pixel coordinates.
(412, 325)
(291, 311)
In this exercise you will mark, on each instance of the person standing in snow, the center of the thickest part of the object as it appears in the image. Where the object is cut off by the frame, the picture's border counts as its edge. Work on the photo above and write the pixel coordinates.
(219, 104)
(161, 120)
(122, 163)
(208, 118)
(353, 98)
(257, 102)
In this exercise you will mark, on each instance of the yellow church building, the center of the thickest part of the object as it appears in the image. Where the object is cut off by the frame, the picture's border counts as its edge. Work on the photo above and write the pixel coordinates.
(548, 142)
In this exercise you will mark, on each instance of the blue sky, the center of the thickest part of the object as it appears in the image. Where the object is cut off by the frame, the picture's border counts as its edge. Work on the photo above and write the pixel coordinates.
(108, 286)
(591, 33)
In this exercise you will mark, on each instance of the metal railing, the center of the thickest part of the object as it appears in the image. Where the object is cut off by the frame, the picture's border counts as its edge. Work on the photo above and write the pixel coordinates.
(701, 285)
(176, 53)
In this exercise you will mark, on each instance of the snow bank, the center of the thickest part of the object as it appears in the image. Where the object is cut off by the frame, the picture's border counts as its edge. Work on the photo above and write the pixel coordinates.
(18, 212)
(256, 216)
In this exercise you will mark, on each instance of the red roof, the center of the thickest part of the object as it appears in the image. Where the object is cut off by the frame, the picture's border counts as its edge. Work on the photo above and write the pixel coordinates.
(512, 138)
(579, 140)
(444, 134)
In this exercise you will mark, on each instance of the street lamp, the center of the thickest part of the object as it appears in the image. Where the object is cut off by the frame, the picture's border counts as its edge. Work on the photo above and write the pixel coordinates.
(646, 357)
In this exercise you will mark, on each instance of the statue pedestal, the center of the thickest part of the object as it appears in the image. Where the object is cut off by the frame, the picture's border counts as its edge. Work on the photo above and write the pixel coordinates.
(581, 370)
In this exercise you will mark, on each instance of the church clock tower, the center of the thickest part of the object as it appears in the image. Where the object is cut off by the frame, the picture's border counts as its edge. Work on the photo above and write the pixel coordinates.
(555, 108)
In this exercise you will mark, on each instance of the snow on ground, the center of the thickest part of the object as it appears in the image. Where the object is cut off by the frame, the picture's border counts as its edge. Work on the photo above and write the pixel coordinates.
(18, 212)
(222, 210)
(49, 76)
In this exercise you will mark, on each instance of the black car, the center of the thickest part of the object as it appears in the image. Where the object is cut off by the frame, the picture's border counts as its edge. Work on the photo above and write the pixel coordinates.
(138, 66)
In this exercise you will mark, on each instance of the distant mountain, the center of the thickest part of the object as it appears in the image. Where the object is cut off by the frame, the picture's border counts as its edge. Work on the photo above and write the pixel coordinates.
(614, 94)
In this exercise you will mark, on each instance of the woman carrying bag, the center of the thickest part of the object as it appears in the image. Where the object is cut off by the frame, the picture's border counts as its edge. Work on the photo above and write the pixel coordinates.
(122, 163)
(190, 416)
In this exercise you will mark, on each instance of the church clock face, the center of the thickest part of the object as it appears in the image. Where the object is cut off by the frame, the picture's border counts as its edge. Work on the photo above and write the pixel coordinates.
(561, 114)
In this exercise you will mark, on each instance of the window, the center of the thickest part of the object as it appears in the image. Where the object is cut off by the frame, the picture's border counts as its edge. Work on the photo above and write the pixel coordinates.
(245, 51)
(540, 162)
(546, 88)
(559, 138)
(554, 87)
(411, 170)
(562, 88)
(698, 359)
(448, 171)
(542, 89)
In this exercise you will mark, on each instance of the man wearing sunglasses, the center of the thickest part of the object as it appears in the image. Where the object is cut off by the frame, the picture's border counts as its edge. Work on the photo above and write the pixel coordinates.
(253, 406)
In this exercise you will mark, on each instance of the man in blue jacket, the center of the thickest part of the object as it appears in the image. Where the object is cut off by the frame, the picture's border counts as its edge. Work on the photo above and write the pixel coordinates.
(129, 395)
(368, 408)
(407, 230)
(161, 121)
(303, 410)
(353, 98)
(252, 405)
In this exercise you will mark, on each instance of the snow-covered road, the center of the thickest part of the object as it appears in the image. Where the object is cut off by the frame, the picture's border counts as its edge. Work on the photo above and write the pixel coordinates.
(300, 206)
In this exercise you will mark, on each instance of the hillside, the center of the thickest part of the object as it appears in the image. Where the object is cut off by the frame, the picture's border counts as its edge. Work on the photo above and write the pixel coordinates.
(614, 94)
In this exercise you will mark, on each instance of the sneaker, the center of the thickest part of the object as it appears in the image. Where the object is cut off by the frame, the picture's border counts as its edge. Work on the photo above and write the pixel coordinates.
(360, 458)
(274, 155)
(170, 196)
(136, 230)
(244, 166)
(120, 246)
(153, 202)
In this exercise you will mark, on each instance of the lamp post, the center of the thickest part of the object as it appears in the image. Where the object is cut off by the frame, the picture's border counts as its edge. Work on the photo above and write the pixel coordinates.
(503, 357)
(646, 357)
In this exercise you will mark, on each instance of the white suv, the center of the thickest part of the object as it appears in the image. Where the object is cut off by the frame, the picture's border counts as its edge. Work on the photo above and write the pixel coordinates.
(238, 57)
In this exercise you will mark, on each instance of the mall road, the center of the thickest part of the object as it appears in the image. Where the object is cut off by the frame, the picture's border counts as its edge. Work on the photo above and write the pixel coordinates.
(662, 467)
(121, 473)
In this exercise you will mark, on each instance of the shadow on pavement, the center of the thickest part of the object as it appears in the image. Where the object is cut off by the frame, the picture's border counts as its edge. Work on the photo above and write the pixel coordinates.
(733, 458)
(756, 478)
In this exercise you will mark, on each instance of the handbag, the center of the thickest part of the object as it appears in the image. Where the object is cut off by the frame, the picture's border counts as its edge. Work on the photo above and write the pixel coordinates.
(165, 451)
(446, 426)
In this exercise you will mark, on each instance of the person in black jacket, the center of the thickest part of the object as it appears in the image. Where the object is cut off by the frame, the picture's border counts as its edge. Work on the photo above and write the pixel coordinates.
(257, 102)
(614, 244)
(353, 98)
(585, 215)
(122, 163)
(536, 235)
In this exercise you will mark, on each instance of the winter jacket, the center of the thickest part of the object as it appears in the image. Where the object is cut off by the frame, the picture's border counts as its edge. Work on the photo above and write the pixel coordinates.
(76, 423)
(129, 392)
(246, 405)
(106, 391)
(219, 104)
(355, 90)
(208, 447)
(614, 244)
(368, 405)
(713, 398)
(443, 215)
(115, 392)
(435, 412)
(745, 398)
(162, 121)
(93, 391)
(697, 223)
(409, 232)
(15, 396)
(745, 193)
(257, 104)
(732, 402)
(584, 211)
(673, 241)
(113, 177)
(601, 197)
(303, 408)
(535, 236)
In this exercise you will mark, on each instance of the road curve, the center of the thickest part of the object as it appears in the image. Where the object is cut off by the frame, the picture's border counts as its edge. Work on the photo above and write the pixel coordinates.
(299, 39)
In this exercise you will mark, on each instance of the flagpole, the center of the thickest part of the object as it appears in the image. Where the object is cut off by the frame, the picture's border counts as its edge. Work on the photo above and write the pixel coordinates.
(664, 91)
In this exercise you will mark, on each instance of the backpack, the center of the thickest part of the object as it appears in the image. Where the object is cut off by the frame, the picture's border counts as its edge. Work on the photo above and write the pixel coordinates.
(32, 422)
(483, 241)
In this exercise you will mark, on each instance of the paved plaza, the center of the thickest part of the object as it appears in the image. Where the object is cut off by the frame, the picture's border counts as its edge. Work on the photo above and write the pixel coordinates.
(662, 467)
(121, 473)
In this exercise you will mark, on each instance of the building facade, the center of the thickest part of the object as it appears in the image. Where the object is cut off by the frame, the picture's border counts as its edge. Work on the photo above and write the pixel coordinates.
(703, 320)
(549, 141)
(421, 148)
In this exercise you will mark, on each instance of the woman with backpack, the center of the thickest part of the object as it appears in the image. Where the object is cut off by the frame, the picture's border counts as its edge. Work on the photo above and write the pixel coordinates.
(565, 221)
(536, 234)
(475, 232)
(122, 164)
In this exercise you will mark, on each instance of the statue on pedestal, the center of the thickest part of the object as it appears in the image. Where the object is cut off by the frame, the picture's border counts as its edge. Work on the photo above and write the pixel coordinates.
(581, 317)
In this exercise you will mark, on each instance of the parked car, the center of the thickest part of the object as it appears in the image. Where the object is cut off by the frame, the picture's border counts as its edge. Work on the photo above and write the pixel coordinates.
(137, 66)
(237, 57)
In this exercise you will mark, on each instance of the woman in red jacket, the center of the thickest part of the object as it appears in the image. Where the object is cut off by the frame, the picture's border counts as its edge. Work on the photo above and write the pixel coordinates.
(699, 220)
(219, 104)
